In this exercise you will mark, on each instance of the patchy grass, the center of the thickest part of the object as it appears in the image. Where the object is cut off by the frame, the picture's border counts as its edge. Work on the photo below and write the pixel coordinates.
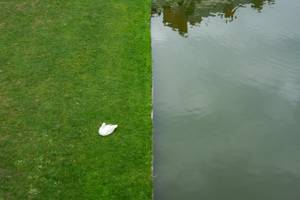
(66, 66)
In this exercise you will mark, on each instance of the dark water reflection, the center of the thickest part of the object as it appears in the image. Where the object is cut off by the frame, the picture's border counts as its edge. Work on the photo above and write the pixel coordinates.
(178, 14)
(226, 99)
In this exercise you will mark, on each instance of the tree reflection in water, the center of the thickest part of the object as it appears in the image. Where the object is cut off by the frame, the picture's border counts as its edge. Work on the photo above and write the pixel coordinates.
(179, 14)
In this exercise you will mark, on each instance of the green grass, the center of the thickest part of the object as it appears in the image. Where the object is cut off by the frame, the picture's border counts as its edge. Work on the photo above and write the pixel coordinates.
(65, 67)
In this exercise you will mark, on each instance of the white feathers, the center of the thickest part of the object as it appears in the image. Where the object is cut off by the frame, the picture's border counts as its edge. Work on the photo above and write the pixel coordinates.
(107, 129)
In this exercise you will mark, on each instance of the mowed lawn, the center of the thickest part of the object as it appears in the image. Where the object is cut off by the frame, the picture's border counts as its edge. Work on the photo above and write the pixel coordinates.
(65, 67)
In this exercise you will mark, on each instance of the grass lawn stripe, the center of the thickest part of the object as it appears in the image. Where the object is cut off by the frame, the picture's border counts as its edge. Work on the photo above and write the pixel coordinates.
(66, 66)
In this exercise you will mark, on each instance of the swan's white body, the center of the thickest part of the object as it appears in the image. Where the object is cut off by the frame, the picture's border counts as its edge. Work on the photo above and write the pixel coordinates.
(107, 129)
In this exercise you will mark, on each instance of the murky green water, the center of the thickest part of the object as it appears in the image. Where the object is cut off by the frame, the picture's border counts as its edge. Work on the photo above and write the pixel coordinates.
(226, 99)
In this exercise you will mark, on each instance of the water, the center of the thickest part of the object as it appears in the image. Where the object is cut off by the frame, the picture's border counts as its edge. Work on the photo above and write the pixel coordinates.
(226, 99)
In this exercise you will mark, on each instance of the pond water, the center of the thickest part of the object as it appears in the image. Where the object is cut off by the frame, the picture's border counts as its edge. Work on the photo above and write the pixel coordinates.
(226, 99)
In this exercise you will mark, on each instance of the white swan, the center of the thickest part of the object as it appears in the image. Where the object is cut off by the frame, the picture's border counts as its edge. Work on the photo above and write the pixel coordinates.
(107, 129)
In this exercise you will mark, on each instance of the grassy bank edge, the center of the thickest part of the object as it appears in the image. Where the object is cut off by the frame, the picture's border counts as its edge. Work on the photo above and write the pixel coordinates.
(66, 66)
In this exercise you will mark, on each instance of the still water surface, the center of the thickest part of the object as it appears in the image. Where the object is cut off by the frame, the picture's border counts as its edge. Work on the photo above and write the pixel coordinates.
(226, 99)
